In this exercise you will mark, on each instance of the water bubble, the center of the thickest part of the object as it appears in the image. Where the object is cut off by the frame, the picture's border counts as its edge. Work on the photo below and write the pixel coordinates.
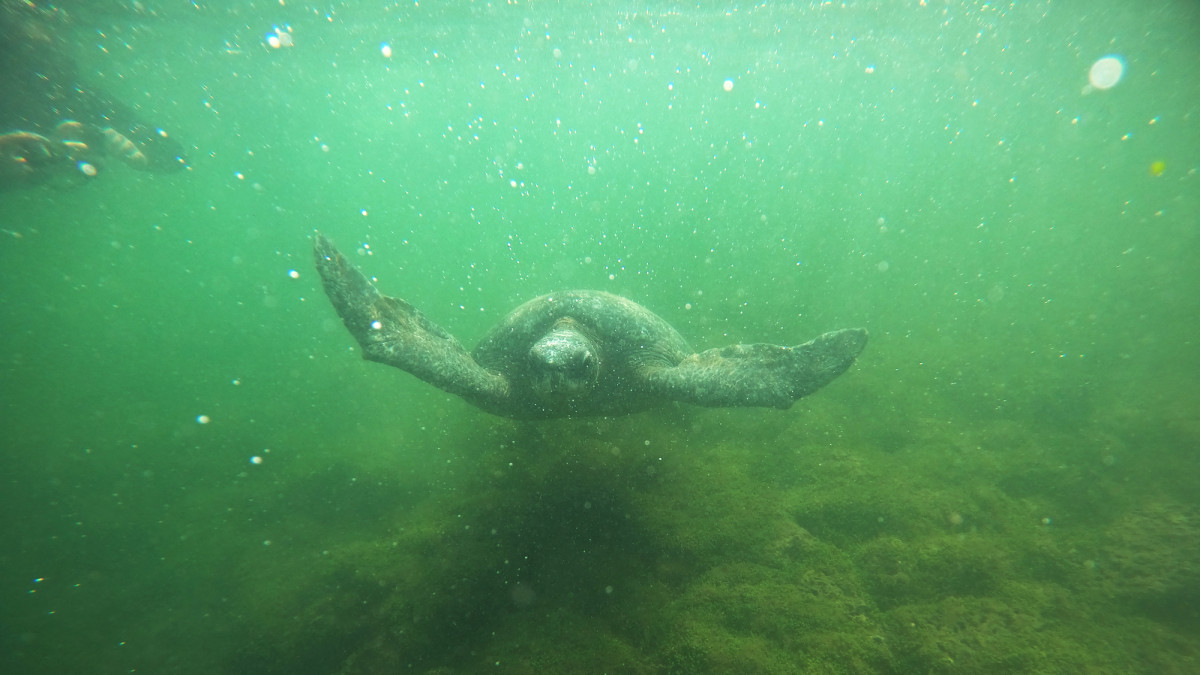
(203, 419)
(728, 86)
(1106, 72)
(293, 274)
(386, 50)
(280, 37)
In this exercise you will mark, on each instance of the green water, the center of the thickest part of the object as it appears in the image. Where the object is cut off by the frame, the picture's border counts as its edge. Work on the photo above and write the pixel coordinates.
(1006, 481)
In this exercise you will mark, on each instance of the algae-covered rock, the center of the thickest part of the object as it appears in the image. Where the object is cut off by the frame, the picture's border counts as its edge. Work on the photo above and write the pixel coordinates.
(673, 545)
(898, 572)
(1151, 558)
(749, 618)
(973, 635)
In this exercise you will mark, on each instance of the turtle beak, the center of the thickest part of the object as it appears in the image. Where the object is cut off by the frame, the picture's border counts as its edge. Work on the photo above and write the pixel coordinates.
(564, 365)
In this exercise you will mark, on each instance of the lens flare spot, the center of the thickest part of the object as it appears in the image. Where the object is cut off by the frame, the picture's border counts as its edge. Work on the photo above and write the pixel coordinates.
(1106, 72)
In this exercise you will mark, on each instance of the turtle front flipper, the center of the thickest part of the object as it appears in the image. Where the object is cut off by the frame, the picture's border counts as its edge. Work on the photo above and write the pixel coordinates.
(759, 374)
(395, 333)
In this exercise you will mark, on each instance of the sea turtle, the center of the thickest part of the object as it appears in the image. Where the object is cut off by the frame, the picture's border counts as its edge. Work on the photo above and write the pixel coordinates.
(577, 353)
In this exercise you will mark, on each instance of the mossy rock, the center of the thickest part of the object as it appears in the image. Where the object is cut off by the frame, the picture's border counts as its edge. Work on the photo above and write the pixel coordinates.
(1151, 559)
(748, 618)
(899, 572)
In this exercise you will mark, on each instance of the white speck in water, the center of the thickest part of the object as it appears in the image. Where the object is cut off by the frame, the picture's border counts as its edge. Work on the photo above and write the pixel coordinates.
(1106, 72)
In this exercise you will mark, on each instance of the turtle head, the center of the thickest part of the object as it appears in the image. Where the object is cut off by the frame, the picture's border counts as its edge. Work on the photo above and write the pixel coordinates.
(564, 363)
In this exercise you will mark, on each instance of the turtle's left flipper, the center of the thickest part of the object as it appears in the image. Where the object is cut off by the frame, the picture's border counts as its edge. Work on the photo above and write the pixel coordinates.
(395, 333)
(759, 374)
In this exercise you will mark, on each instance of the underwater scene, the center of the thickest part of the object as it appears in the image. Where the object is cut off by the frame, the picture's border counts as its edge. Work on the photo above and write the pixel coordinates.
(200, 473)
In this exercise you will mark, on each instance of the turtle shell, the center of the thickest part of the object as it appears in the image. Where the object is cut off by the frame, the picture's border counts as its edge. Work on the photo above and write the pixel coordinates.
(629, 337)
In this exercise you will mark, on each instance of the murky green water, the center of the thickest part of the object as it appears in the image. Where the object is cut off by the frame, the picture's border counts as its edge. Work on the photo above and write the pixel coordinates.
(1005, 482)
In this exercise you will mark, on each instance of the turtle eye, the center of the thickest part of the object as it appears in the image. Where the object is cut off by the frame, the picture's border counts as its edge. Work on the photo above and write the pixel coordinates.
(589, 368)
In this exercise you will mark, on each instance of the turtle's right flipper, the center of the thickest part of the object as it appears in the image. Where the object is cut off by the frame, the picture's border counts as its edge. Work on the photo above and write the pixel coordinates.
(395, 333)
